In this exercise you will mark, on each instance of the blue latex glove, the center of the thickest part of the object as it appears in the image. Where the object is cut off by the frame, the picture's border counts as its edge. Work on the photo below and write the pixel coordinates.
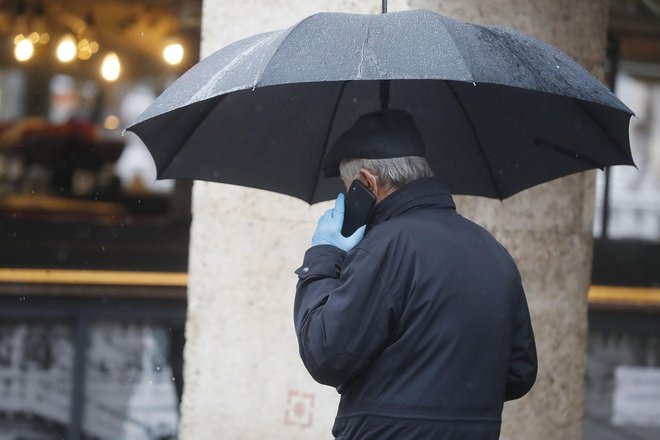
(328, 229)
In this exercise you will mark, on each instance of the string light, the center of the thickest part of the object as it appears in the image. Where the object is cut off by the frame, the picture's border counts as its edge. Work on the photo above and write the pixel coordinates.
(173, 54)
(25, 45)
(111, 122)
(84, 49)
(111, 67)
(67, 50)
(34, 37)
(70, 48)
(24, 50)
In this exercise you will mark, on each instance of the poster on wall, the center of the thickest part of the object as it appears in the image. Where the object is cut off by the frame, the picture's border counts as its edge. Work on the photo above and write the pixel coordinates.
(636, 398)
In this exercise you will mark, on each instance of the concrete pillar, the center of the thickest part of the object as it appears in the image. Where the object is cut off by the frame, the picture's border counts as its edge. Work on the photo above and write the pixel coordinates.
(547, 229)
(243, 376)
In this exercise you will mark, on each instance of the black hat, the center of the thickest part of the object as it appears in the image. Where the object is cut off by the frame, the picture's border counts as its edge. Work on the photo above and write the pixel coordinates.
(385, 134)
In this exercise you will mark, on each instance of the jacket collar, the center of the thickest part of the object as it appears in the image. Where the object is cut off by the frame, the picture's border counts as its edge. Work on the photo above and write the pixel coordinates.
(426, 192)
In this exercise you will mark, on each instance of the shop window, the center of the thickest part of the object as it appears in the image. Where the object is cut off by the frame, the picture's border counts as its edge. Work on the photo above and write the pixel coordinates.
(75, 191)
(91, 372)
(633, 199)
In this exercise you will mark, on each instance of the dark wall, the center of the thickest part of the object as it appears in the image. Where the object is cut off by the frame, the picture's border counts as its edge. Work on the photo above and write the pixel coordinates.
(626, 263)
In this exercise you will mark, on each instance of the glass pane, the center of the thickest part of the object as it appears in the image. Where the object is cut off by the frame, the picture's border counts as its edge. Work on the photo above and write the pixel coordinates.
(36, 361)
(74, 191)
(130, 389)
(635, 193)
(616, 360)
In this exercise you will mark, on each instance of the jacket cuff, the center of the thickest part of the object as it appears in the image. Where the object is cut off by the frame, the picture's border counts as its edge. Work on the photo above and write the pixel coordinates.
(324, 261)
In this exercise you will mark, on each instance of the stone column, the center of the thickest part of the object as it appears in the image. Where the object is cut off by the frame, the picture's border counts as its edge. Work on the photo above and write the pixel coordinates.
(243, 376)
(547, 229)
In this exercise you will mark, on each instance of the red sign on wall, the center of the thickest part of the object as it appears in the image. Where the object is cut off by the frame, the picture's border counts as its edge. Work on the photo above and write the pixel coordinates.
(300, 409)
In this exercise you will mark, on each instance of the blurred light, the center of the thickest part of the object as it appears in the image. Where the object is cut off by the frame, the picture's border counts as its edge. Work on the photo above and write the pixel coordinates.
(111, 67)
(79, 27)
(94, 46)
(24, 50)
(84, 50)
(18, 38)
(85, 53)
(173, 53)
(111, 122)
(44, 38)
(34, 37)
(66, 50)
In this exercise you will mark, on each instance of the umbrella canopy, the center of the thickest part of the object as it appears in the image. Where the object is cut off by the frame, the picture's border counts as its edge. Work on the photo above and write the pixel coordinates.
(499, 110)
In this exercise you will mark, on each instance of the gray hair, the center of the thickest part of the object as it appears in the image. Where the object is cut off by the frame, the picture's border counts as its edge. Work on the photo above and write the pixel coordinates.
(390, 173)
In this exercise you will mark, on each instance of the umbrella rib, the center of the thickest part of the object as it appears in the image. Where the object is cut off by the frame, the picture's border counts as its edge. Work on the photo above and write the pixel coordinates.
(568, 152)
(327, 138)
(277, 50)
(585, 109)
(476, 137)
(166, 165)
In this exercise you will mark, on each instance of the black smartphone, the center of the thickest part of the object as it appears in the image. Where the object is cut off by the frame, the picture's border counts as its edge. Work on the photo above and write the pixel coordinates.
(358, 205)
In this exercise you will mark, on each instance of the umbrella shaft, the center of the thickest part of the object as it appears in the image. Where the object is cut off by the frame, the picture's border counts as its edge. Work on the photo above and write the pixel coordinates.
(384, 6)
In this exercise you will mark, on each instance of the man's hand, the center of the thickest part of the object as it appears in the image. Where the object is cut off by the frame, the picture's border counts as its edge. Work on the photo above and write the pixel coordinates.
(328, 229)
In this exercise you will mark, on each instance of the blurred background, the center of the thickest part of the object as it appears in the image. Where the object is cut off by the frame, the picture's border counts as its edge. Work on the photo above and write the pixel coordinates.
(94, 251)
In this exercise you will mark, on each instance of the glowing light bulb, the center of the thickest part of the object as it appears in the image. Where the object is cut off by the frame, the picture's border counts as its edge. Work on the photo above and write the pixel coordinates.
(84, 51)
(173, 54)
(67, 50)
(111, 68)
(111, 122)
(24, 50)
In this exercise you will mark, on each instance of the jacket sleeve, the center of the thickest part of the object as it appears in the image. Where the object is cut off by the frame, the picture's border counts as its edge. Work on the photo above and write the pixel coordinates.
(343, 312)
(523, 362)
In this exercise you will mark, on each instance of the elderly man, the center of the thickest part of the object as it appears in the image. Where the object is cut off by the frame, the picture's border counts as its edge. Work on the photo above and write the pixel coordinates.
(420, 320)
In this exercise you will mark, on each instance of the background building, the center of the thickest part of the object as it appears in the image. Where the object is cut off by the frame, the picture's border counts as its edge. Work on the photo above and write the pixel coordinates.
(623, 371)
(94, 251)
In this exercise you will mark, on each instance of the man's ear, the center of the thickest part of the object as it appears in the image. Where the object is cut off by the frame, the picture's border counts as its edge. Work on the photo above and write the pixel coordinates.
(369, 180)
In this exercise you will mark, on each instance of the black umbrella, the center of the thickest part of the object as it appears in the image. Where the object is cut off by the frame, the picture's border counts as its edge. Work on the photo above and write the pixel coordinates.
(499, 110)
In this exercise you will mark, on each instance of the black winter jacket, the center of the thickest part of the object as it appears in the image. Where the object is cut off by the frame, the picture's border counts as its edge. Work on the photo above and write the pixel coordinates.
(423, 327)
